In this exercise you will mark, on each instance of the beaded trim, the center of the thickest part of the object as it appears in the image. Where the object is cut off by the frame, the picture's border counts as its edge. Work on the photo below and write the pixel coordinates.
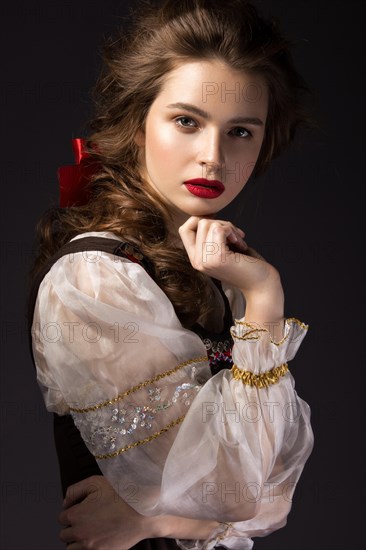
(139, 386)
(253, 333)
(262, 380)
(142, 441)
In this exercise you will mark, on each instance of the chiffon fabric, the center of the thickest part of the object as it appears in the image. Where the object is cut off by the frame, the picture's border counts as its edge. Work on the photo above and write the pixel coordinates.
(170, 437)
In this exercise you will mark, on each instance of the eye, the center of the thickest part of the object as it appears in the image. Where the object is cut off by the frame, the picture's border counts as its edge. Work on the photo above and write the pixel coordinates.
(185, 122)
(241, 132)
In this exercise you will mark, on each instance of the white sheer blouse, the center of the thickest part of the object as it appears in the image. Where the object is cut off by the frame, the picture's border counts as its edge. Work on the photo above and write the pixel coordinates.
(170, 437)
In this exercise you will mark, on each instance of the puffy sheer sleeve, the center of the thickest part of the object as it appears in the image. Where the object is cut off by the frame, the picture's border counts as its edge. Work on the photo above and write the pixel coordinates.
(170, 438)
(253, 439)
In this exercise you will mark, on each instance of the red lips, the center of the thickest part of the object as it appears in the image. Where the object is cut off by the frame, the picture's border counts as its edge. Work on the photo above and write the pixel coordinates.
(207, 183)
(205, 189)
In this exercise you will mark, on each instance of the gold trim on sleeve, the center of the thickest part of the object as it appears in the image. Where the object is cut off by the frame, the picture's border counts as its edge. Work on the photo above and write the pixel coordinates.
(139, 386)
(253, 333)
(295, 321)
(142, 441)
(262, 380)
(223, 535)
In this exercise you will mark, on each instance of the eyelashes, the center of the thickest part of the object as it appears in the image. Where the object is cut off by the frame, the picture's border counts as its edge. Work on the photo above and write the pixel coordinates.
(242, 130)
(189, 123)
(179, 122)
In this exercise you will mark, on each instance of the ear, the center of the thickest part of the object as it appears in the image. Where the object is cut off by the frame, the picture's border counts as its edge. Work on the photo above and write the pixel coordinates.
(140, 138)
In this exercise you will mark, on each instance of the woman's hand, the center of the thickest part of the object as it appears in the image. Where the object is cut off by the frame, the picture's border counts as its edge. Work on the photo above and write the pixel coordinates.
(95, 517)
(217, 248)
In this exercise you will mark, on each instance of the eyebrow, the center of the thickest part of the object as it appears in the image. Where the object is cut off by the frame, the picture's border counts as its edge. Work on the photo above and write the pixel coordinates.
(204, 114)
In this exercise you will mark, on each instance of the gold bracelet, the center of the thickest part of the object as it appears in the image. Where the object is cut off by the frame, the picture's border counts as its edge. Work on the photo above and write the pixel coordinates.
(262, 380)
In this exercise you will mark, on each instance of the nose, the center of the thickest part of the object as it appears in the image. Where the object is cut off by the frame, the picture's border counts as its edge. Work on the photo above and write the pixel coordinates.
(210, 155)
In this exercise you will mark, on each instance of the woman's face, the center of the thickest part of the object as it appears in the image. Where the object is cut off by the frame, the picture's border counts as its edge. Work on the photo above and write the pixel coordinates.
(207, 124)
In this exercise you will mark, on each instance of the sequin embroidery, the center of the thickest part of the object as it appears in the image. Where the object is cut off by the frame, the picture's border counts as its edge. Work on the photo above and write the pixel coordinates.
(130, 418)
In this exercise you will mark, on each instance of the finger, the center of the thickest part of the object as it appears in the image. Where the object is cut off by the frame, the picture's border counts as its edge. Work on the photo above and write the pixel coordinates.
(188, 230)
(219, 233)
(191, 223)
(211, 241)
(204, 236)
(233, 237)
(235, 234)
(236, 238)
(64, 518)
(67, 535)
(78, 491)
(241, 235)
(238, 246)
(213, 234)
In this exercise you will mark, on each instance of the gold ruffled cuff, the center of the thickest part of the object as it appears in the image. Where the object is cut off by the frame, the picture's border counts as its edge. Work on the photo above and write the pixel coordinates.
(262, 380)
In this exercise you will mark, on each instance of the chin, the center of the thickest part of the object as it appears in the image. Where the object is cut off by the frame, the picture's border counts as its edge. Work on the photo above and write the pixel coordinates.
(200, 210)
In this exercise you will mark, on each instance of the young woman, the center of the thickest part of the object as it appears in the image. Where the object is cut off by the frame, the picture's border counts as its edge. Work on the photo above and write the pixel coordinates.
(171, 359)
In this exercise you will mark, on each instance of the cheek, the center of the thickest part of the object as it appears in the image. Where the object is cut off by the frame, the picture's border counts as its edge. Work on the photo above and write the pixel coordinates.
(248, 160)
(164, 149)
(239, 166)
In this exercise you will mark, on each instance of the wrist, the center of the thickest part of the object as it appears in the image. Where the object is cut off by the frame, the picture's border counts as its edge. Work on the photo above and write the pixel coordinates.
(172, 527)
(154, 526)
(265, 308)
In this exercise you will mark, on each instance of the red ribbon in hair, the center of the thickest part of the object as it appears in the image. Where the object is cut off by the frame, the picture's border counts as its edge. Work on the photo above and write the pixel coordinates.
(74, 179)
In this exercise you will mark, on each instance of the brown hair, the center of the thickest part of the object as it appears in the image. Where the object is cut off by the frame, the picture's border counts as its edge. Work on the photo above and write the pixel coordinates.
(135, 65)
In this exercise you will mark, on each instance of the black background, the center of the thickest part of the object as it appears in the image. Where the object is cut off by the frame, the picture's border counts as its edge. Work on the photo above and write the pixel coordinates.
(305, 216)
